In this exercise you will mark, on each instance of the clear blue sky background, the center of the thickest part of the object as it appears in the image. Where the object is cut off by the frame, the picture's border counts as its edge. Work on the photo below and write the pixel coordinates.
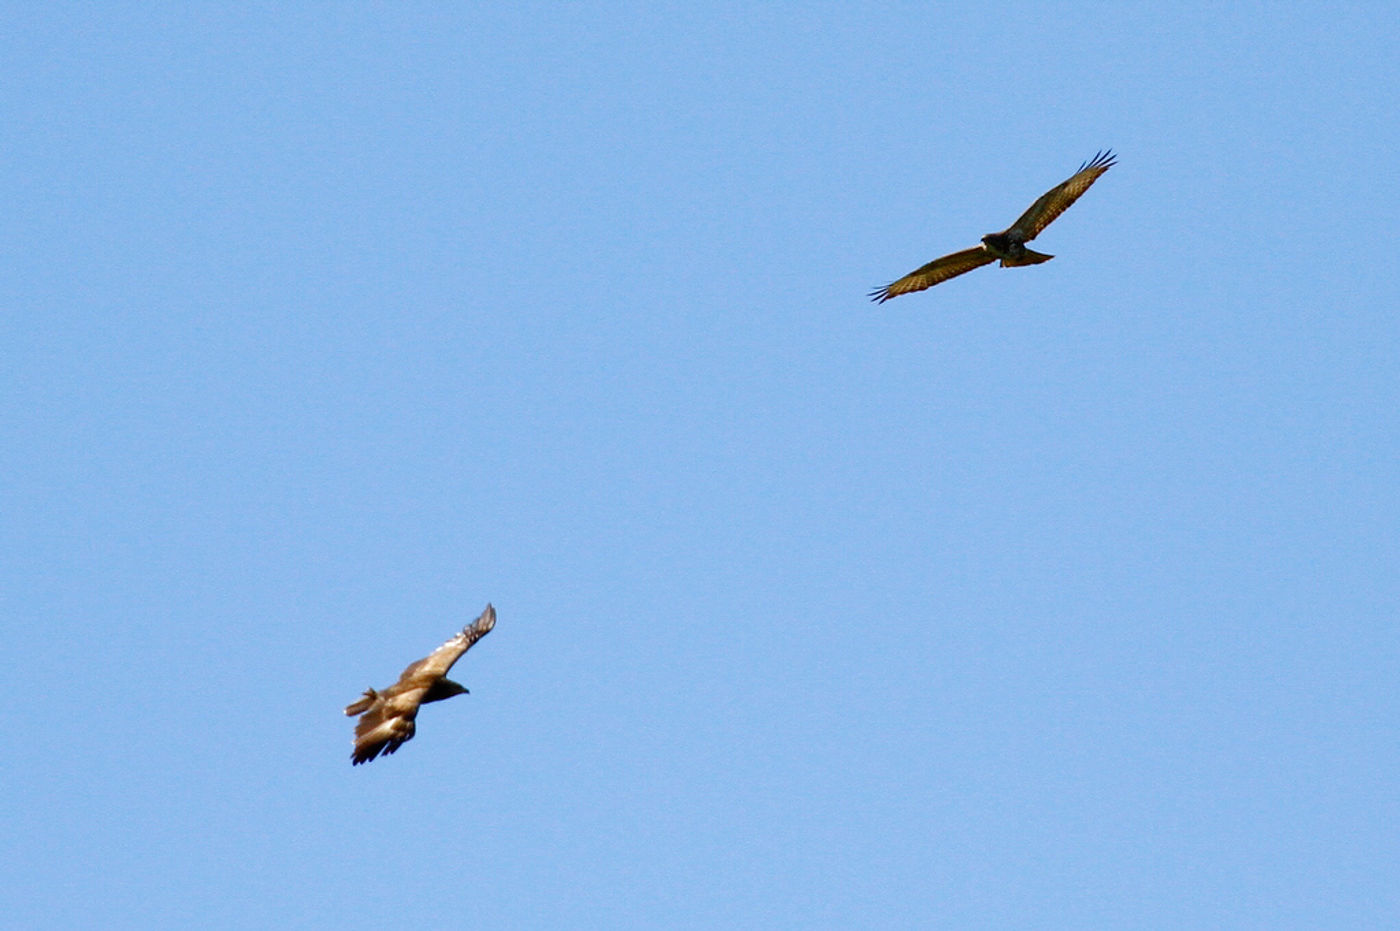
(1051, 597)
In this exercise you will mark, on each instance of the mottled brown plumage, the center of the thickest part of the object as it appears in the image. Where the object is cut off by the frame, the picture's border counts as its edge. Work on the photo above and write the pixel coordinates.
(387, 717)
(1010, 244)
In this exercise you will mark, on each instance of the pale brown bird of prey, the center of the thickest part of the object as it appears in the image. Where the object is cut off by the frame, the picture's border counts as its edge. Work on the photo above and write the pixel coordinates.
(1010, 244)
(386, 718)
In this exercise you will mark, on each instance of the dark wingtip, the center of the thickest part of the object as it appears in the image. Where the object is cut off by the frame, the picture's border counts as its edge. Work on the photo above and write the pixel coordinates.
(486, 622)
(1104, 158)
(880, 295)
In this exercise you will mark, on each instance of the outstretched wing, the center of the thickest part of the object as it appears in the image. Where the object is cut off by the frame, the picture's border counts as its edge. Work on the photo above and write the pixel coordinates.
(950, 266)
(436, 664)
(1057, 200)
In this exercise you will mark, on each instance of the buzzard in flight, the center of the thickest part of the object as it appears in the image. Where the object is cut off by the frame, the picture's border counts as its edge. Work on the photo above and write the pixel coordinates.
(1010, 244)
(386, 718)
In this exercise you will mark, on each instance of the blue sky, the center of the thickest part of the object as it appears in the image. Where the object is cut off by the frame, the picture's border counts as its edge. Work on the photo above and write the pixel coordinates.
(1051, 597)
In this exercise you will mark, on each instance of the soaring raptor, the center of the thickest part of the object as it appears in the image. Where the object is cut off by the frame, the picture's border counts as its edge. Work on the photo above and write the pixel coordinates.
(386, 718)
(1010, 244)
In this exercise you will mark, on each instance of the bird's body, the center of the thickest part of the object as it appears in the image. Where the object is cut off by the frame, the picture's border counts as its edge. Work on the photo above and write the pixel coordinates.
(1012, 251)
(1009, 245)
(387, 718)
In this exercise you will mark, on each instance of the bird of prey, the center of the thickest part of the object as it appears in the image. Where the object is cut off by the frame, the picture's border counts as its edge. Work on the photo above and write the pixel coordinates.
(386, 718)
(1010, 244)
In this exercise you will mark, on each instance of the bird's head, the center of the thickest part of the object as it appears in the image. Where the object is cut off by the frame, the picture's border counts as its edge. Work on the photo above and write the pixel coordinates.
(442, 690)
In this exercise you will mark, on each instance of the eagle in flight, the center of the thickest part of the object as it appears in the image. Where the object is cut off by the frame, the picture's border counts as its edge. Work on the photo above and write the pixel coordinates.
(1010, 244)
(386, 718)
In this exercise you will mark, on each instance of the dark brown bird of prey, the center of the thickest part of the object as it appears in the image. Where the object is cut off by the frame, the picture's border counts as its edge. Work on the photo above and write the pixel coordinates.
(386, 718)
(1010, 244)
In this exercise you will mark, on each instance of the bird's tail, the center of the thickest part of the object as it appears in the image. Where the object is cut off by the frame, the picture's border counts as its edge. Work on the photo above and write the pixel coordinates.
(1030, 258)
(361, 705)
